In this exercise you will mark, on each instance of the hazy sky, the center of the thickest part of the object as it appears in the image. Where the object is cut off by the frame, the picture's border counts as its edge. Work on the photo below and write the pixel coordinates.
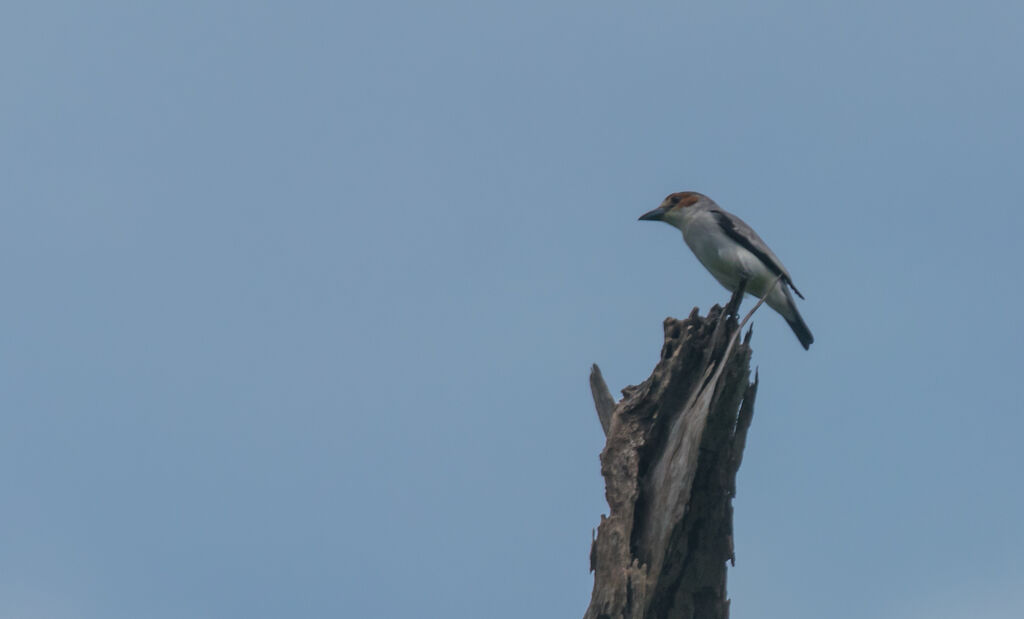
(299, 299)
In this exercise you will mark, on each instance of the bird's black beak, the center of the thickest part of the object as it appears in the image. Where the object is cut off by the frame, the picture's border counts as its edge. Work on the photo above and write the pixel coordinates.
(657, 214)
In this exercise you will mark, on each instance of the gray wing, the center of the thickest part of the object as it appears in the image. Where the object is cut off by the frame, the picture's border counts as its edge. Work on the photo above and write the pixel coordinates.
(739, 231)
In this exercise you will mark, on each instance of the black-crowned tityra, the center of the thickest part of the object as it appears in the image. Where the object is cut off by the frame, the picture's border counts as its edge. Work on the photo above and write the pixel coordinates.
(732, 251)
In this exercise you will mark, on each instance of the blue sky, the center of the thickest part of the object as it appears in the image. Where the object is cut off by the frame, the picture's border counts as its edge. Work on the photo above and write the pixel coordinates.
(300, 299)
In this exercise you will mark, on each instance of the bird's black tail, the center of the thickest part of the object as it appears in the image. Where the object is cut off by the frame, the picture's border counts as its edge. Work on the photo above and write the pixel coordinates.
(800, 329)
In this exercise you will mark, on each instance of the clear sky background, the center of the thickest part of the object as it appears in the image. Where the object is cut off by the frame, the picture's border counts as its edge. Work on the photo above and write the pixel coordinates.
(299, 299)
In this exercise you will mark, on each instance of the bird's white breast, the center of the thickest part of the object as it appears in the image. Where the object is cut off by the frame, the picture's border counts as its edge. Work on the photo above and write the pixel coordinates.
(727, 260)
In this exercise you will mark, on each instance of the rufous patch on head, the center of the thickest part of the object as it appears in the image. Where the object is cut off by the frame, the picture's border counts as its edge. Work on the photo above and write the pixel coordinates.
(682, 199)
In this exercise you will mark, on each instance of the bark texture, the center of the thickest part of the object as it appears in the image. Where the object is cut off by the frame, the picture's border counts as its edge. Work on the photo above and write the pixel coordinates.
(674, 444)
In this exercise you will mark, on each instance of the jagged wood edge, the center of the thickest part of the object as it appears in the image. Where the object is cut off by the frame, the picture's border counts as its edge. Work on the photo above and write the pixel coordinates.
(638, 594)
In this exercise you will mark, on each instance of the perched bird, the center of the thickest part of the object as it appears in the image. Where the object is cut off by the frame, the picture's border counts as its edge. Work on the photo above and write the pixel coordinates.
(732, 251)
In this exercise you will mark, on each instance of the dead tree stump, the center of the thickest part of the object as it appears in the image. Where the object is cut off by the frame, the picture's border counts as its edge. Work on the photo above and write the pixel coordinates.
(674, 444)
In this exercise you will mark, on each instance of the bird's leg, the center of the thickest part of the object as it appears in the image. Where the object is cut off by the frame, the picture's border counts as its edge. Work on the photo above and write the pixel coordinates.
(732, 308)
(739, 330)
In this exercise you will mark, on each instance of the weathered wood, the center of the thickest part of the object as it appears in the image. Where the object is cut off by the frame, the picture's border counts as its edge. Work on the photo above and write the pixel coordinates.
(603, 400)
(674, 444)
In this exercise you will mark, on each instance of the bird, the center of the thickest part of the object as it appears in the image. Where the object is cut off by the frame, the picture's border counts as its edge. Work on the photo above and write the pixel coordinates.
(733, 252)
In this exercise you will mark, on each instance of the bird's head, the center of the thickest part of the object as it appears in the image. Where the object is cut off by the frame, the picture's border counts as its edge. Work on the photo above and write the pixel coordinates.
(674, 206)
